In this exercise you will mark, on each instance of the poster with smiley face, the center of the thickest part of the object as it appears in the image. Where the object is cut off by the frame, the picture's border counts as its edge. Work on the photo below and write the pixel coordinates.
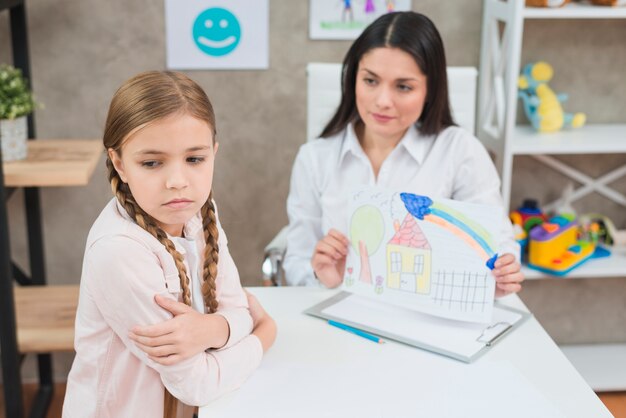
(217, 34)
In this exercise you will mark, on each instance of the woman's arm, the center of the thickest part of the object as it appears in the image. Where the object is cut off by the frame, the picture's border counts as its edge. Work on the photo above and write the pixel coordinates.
(305, 220)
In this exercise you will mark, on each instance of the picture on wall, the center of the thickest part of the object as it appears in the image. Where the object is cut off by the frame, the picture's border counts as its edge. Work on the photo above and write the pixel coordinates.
(217, 34)
(346, 19)
(426, 254)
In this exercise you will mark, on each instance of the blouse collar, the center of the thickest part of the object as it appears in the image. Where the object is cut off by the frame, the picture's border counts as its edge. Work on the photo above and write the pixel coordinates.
(412, 142)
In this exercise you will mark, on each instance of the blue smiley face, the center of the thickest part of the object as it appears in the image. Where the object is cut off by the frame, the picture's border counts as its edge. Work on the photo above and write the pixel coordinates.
(216, 31)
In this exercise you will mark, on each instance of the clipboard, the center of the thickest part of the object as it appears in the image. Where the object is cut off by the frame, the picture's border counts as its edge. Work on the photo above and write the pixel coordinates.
(459, 340)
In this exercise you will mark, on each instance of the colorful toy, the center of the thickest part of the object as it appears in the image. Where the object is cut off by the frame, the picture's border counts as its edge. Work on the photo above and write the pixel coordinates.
(554, 247)
(541, 104)
(525, 218)
(600, 228)
(528, 215)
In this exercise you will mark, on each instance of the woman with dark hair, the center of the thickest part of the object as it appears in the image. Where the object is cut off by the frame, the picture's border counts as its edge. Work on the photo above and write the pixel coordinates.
(392, 129)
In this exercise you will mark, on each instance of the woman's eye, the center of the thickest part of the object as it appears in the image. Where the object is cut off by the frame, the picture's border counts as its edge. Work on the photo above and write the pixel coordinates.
(150, 164)
(404, 87)
(369, 81)
(195, 160)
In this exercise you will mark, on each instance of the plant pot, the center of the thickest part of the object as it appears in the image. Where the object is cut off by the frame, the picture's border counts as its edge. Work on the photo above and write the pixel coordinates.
(13, 133)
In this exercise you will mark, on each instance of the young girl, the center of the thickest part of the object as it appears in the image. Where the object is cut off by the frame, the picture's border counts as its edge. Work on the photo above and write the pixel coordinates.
(160, 236)
(393, 129)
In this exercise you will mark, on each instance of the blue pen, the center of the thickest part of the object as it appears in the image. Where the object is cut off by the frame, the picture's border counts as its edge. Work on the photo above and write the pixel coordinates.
(356, 331)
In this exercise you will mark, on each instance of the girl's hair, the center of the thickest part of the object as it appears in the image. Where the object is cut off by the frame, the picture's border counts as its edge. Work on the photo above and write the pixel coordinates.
(416, 35)
(143, 99)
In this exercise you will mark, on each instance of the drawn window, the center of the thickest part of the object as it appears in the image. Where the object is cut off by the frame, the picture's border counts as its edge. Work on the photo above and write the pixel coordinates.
(418, 268)
(396, 262)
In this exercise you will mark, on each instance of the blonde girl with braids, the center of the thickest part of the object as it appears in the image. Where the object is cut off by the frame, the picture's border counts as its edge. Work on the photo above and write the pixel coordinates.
(162, 322)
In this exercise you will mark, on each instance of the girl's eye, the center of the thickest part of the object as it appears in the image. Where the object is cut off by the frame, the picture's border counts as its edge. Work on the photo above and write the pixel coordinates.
(369, 81)
(404, 87)
(150, 164)
(195, 160)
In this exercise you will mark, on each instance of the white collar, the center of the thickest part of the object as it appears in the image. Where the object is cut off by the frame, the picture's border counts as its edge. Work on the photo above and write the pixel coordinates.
(412, 141)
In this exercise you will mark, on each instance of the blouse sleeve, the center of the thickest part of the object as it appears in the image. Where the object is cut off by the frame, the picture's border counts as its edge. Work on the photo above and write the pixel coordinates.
(123, 276)
(477, 181)
(305, 222)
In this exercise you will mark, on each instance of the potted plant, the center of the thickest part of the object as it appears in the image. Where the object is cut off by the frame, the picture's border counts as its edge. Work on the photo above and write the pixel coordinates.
(16, 102)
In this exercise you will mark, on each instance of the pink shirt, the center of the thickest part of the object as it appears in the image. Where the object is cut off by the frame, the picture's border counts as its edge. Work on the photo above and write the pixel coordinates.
(124, 267)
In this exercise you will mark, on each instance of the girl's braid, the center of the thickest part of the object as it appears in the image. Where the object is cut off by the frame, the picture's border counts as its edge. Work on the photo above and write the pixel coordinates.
(211, 254)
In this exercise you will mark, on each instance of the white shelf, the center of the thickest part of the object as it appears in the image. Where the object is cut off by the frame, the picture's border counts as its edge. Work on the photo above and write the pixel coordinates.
(612, 266)
(590, 139)
(599, 364)
(575, 11)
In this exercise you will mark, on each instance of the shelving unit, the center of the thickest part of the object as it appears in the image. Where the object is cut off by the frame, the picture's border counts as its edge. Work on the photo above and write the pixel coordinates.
(501, 46)
(613, 266)
(39, 318)
(34, 317)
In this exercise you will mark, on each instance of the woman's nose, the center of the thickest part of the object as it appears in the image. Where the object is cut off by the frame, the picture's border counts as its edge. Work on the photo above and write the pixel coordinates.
(384, 98)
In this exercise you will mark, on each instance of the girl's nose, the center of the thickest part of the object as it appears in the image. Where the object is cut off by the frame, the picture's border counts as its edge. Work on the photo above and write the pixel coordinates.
(176, 179)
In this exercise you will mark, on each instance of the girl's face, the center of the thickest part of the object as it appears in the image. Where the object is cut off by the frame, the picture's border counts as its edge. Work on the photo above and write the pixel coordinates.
(168, 165)
(390, 92)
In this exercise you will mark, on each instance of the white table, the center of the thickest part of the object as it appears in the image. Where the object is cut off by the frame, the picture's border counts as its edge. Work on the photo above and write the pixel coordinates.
(315, 370)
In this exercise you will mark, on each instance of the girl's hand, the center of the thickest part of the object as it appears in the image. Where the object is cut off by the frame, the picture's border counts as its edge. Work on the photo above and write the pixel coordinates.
(264, 325)
(329, 258)
(187, 334)
(508, 275)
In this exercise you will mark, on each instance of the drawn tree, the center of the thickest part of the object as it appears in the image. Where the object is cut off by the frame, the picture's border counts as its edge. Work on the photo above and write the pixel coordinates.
(367, 230)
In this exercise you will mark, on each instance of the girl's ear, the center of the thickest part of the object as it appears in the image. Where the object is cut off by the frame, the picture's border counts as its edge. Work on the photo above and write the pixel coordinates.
(215, 147)
(117, 163)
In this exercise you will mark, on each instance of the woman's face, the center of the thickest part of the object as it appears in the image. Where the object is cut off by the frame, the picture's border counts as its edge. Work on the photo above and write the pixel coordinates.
(390, 92)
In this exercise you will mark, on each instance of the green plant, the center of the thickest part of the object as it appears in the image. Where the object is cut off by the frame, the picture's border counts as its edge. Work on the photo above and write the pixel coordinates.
(16, 98)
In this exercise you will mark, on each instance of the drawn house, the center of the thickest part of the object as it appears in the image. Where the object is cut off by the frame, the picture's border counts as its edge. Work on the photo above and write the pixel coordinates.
(409, 259)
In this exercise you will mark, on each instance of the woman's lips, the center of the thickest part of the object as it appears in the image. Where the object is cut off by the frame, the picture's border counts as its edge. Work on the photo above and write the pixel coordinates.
(381, 118)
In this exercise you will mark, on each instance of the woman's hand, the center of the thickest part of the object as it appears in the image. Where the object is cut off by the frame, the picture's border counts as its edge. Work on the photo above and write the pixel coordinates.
(187, 334)
(508, 275)
(329, 258)
(264, 325)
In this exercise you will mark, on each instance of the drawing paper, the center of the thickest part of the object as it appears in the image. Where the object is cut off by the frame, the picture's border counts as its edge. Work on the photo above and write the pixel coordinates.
(429, 255)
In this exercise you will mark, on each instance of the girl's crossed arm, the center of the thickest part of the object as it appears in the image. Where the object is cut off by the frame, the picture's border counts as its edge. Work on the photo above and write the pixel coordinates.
(124, 292)
(191, 332)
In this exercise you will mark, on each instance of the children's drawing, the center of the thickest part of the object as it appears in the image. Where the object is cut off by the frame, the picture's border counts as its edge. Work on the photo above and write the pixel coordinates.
(346, 19)
(430, 255)
(477, 237)
(366, 234)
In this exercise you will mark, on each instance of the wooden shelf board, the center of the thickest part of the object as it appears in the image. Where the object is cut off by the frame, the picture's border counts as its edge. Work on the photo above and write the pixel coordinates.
(590, 139)
(54, 162)
(612, 266)
(583, 10)
(45, 318)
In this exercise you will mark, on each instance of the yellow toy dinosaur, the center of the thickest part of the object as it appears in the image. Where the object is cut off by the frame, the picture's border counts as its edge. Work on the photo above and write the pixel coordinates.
(541, 104)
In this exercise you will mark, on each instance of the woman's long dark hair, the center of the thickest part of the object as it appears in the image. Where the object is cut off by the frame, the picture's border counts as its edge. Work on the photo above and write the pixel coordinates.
(416, 35)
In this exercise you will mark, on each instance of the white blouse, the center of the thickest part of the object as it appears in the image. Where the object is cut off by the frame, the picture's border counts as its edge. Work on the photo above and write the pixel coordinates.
(452, 165)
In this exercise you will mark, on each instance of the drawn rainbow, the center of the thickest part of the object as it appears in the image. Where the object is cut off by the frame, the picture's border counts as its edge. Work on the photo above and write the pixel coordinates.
(472, 233)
